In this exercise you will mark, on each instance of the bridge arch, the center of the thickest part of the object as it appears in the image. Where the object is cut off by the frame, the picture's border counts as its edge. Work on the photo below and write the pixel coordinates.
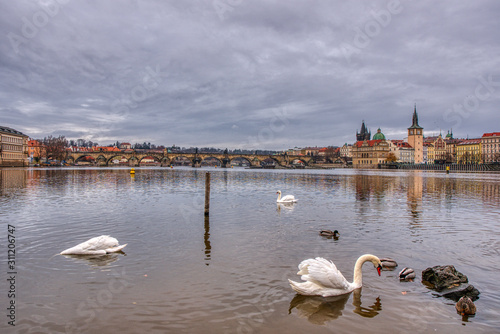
(146, 156)
(240, 158)
(87, 158)
(119, 156)
(181, 159)
(207, 158)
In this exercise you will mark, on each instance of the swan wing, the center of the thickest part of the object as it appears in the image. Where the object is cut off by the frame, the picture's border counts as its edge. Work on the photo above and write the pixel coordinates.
(102, 242)
(97, 245)
(323, 272)
(288, 198)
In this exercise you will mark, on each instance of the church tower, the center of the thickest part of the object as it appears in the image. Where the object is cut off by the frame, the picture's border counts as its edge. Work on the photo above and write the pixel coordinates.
(364, 134)
(416, 138)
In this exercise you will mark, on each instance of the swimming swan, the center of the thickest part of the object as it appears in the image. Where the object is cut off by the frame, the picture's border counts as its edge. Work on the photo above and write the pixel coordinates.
(286, 199)
(324, 279)
(95, 246)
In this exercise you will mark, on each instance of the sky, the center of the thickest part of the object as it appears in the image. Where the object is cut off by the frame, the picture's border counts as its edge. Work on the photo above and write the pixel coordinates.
(259, 74)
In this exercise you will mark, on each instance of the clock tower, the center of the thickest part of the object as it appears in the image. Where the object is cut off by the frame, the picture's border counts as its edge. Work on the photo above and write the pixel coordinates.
(416, 138)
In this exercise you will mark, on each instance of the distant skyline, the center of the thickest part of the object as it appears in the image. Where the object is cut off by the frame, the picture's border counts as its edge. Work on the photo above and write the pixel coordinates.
(248, 74)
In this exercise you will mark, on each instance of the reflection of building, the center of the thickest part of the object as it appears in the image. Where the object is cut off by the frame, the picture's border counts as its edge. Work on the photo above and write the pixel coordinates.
(414, 194)
(490, 143)
(13, 147)
(416, 138)
(469, 151)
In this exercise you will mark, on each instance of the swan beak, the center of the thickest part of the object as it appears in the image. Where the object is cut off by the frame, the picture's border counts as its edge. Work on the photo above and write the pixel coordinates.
(379, 269)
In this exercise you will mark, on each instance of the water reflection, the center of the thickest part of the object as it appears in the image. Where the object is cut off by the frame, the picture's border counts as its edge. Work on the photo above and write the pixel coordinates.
(418, 215)
(320, 310)
(95, 260)
(286, 207)
(206, 240)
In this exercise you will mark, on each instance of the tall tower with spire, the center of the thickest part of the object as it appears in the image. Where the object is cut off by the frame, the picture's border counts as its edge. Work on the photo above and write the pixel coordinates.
(416, 138)
(364, 134)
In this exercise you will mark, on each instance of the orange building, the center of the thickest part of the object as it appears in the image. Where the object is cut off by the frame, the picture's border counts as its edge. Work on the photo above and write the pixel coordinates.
(36, 151)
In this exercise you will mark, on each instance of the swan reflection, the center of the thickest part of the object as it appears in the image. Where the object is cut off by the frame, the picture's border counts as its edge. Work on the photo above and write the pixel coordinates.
(319, 310)
(286, 207)
(96, 260)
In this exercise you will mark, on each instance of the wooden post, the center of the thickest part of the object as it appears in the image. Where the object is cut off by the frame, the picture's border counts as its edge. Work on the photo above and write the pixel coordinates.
(207, 194)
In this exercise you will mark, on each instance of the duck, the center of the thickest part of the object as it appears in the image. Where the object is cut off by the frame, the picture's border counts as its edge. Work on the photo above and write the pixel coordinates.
(101, 245)
(285, 199)
(465, 306)
(388, 263)
(329, 233)
(407, 274)
(322, 278)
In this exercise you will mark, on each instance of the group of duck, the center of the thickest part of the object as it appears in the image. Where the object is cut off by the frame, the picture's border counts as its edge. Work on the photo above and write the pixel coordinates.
(324, 279)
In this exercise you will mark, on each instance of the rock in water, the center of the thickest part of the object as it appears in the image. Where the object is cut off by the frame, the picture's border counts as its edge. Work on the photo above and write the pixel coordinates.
(443, 277)
(464, 290)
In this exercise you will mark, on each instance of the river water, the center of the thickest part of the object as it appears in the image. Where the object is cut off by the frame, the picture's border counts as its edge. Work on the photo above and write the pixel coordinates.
(184, 273)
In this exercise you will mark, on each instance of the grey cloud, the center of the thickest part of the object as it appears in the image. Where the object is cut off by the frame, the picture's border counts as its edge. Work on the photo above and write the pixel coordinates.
(87, 72)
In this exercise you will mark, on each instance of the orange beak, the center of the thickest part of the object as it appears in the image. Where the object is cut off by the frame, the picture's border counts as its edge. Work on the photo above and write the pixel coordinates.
(379, 269)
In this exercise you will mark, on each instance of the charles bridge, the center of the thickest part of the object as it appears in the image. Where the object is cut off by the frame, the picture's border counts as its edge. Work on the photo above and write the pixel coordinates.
(166, 158)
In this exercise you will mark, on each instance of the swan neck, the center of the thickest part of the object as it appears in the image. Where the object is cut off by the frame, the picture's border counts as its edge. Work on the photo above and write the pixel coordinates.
(357, 278)
(279, 195)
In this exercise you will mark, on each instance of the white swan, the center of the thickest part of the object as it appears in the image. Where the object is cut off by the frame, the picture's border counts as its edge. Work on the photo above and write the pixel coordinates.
(324, 279)
(95, 246)
(286, 199)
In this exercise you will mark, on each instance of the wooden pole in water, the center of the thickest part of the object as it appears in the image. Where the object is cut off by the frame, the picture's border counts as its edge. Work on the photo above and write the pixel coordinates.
(207, 194)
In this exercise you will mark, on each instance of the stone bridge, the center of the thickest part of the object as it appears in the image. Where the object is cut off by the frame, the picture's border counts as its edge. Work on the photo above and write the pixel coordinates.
(166, 159)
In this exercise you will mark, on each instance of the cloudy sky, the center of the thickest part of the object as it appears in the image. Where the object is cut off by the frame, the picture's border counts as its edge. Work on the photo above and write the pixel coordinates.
(248, 73)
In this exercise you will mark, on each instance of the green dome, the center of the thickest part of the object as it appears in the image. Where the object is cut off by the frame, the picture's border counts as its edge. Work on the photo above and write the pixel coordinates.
(379, 135)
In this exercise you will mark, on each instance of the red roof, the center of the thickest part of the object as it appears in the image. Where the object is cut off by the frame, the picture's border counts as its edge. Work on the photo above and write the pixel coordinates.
(34, 143)
(107, 149)
(491, 134)
(370, 142)
(471, 141)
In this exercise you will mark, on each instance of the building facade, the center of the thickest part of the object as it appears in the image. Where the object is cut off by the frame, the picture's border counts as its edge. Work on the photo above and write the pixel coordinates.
(13, 148)
(346, 151)
(370, 153)
(36, 151)
(469, 151)
(490, 147)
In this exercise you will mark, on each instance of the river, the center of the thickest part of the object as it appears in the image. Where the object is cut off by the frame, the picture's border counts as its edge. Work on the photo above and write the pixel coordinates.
(184, 273)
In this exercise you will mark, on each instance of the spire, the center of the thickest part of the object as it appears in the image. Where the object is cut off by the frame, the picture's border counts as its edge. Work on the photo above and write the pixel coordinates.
(415, 116)
(414, 124)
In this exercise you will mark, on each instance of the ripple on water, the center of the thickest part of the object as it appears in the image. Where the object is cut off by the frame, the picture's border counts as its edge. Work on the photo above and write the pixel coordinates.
(184, 273)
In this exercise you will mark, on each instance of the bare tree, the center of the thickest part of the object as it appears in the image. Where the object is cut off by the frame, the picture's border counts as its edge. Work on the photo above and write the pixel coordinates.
(55, 147)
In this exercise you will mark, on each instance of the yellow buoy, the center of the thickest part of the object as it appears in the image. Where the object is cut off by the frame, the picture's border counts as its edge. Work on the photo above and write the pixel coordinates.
(132, 171)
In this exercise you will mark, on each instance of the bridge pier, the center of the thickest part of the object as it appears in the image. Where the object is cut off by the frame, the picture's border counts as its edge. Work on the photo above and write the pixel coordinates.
(255, 163)
(226, 163)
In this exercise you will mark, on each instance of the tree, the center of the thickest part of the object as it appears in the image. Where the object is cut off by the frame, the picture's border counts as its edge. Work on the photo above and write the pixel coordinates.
(391, 157)
(55, 147)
